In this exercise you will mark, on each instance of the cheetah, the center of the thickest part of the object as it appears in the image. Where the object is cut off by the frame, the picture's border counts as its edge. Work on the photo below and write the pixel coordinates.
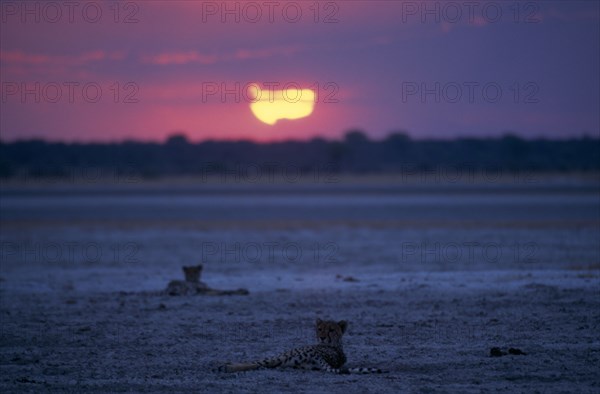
(192, 284)
(327, 355)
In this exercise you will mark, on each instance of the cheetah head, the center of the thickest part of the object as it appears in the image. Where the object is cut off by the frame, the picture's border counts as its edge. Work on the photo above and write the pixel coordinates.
(192, 273)
(330, 332)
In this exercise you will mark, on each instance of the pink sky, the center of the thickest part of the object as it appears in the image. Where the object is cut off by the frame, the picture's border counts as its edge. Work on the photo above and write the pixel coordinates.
(152, 72)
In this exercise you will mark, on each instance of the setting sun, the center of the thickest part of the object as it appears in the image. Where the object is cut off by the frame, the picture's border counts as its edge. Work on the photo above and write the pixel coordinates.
(292, 103)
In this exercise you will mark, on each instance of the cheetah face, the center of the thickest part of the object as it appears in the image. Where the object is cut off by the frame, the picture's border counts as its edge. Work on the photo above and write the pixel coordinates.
(192, 273)
(330, 332)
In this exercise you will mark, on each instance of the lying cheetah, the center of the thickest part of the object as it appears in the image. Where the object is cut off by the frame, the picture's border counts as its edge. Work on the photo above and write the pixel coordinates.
(192, 285)
(327, 355)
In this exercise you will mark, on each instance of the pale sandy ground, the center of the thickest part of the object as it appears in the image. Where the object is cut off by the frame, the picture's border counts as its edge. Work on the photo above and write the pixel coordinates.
(78, 323)
(433, 332)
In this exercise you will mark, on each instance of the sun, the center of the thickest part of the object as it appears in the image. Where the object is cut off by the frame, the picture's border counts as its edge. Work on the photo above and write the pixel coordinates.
(269, 106)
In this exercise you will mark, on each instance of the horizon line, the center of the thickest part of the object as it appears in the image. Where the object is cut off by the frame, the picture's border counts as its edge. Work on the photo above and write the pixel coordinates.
(184, 137)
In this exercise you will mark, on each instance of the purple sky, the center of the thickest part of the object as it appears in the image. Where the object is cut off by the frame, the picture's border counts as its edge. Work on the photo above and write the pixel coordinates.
(373, 60)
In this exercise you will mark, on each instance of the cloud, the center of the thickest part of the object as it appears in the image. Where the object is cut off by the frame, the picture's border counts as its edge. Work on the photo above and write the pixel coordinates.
(242, 54)
(195, 57)
(22, 58)
(180, 58)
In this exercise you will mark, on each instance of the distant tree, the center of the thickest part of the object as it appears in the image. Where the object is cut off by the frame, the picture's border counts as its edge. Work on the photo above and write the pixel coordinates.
(400, 135)
(398, 140)
(177, 139)
(356, 137)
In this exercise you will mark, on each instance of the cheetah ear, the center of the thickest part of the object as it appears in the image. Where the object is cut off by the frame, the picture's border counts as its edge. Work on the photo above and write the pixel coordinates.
(343, 325)
(319, 321)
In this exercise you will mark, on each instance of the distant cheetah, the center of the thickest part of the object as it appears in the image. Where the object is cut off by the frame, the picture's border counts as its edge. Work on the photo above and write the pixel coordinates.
(327, 355)
(192, 284)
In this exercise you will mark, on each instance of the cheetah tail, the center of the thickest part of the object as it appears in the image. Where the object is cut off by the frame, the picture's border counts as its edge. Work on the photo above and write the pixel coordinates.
(365, 370)
(237, 367)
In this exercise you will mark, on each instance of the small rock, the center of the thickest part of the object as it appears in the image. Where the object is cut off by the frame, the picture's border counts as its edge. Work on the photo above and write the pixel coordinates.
(516, 352)
(346, 278)
(496, 352)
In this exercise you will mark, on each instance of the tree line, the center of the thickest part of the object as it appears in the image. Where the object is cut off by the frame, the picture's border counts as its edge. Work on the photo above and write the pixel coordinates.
(355, 153)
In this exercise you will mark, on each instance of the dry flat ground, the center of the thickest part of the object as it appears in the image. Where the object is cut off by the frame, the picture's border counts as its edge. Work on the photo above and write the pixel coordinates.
(443, 273)
(433, 333)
